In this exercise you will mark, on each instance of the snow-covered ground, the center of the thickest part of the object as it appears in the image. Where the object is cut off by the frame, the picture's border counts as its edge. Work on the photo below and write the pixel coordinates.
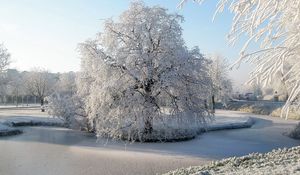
(281, 161)
(21, 112)
(10, 105)
(50, 150)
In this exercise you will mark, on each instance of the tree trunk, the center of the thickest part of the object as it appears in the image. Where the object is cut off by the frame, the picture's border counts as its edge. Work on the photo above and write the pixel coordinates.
(213, 103)
(42, 101)
(148, 112)
(42, 105)
(148, 125)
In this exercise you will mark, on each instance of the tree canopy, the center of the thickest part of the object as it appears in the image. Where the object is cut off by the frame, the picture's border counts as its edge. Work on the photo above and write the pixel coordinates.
(139, 67)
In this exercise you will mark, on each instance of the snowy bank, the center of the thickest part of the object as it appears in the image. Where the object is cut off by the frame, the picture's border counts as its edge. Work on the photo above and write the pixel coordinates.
(7, 125)
(222, 123)
(281, 161)
(32, 121)
(169, 131)
(6, 130)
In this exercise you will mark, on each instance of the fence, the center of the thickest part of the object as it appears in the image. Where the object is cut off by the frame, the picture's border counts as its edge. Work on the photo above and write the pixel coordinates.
(27, 100)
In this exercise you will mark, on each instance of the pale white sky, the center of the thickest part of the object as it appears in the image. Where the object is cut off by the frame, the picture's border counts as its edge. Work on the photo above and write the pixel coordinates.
(45, 33)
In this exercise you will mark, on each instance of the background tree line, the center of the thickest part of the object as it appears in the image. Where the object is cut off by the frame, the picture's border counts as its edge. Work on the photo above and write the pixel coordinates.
(31, 87)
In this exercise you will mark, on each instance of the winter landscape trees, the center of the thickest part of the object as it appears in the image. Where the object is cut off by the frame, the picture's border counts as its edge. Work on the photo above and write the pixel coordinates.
(221, 86)
(274, 25)
(136, 69)
(40, 84)
(16, 86)
(140, 82)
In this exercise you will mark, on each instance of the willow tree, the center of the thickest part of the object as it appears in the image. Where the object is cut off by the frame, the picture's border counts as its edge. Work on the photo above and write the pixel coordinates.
(138, 67)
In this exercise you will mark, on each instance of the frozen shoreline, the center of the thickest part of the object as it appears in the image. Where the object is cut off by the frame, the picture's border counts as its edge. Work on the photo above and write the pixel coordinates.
(8, 126)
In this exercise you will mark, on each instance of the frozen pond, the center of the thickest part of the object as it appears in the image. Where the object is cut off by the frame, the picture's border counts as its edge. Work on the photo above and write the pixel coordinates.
(58, 151)
(48, 150)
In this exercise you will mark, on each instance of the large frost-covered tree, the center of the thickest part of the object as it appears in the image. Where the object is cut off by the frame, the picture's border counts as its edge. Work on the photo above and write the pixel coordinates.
(275, 25)
(139, 67)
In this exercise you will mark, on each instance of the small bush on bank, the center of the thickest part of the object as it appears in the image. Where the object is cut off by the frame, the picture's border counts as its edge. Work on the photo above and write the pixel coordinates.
(295, 133)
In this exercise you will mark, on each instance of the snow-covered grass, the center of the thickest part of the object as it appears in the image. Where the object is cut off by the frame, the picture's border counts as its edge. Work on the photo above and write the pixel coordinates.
(22, 112)
(281, 161)
(10, 105)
